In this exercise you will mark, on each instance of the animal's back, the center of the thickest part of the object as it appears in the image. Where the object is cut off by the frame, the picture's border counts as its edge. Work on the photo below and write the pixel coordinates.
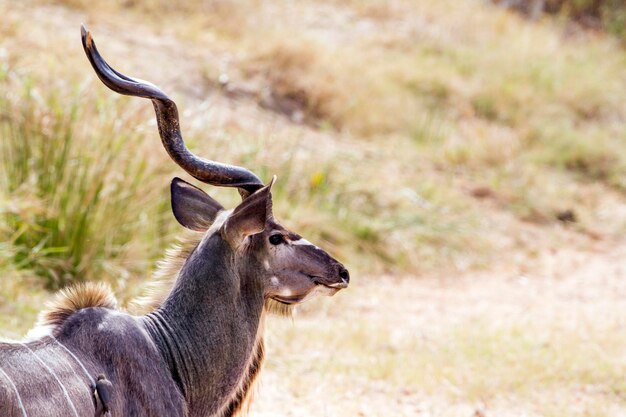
(9, 402)
(39, 379)
(83, 337)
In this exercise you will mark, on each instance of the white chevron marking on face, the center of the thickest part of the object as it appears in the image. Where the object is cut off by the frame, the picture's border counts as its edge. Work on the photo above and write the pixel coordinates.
(303, 242)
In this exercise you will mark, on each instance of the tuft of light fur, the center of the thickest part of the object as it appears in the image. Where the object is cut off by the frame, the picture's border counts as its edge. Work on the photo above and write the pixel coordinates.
(164, 278)
(74, 298)
(278, 308)
(156, 291)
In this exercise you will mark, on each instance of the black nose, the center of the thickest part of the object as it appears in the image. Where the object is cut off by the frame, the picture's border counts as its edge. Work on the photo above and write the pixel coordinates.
(344, 274)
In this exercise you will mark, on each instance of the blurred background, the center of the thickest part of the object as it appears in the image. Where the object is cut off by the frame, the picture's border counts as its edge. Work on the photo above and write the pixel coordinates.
(466, 159)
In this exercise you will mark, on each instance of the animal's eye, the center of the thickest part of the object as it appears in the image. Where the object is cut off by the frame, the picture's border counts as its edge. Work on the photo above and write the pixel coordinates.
(277, 239)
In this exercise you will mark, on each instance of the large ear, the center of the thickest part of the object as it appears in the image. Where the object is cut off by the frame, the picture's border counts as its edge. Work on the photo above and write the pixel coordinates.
(192, 207)
(250, 216)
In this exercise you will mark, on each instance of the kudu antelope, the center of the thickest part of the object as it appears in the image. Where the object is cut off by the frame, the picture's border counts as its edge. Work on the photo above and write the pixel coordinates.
(200, 349)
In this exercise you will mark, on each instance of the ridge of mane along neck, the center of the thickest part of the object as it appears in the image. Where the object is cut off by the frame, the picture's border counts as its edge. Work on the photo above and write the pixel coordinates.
(208, 326)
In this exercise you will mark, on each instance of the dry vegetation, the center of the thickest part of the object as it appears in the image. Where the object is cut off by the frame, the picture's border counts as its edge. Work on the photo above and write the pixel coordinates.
(411, 138)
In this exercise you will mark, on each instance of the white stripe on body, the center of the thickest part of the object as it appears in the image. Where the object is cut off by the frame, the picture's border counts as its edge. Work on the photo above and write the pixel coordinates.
(86, 393)
(89, 377)
(67, 395)
(19, 398)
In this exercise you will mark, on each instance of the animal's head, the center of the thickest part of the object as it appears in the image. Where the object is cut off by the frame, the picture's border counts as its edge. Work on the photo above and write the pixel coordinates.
(289, 268)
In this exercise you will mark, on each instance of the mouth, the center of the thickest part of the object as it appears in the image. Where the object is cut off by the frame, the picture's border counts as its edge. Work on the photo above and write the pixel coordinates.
(320, 288)
(334, 286)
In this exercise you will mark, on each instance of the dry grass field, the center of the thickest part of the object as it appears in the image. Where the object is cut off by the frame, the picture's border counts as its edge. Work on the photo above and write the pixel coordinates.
(468, 166)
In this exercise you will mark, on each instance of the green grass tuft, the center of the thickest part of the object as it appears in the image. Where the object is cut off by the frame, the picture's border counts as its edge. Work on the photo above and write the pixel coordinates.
(74, 182)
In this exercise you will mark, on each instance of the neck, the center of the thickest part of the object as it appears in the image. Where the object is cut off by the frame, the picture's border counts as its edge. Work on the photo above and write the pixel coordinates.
(208, 328)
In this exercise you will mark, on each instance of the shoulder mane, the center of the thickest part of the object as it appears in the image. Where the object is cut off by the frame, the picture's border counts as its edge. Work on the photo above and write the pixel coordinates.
(156, 291)
(158, 288)
(73, 298)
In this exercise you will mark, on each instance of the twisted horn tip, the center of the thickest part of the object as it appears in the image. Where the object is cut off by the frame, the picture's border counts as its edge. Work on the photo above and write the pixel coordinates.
(85, 35)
